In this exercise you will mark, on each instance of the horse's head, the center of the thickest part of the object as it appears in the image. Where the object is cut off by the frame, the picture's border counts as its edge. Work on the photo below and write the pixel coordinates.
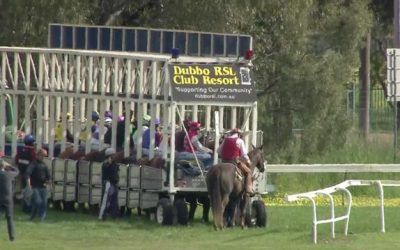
(257, 158)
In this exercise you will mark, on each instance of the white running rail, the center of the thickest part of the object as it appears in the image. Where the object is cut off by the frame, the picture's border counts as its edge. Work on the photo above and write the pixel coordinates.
(342, 187)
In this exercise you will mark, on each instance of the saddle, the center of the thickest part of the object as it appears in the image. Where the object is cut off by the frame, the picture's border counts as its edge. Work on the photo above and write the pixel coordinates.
(240, 175)
(238, 172)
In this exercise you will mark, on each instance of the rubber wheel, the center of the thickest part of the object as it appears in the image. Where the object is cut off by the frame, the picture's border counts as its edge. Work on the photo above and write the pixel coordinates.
(249, 221)
(181, 209)
(164, 212)
(259, 212)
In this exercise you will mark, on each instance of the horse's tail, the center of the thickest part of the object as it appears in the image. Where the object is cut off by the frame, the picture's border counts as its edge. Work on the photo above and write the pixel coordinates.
(214, 190)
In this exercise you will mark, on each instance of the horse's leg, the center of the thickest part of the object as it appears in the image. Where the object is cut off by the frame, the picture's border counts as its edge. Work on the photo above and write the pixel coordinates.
(206, 207)
(242, 206)
(228, 218)
(214, 190)
(225, 205)
(191, 199)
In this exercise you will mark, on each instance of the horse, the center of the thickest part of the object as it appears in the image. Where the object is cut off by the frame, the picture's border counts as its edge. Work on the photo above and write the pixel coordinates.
(193, 199)
(226, 191)
(70, 154)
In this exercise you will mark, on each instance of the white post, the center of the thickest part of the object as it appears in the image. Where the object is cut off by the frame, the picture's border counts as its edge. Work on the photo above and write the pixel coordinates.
(233, 117)
(52, 103)
(195, 110)
(139, 117)
(153, 109)
(115, 108)
(254, 125)
(208, 118)
(172, 159)
(46, 100)
(39, 110)
(15, 104)
(27, 103)
(217, 133)
(128, 117)
(381, 205)
(77, 111)
(221, 120)
(102, 86)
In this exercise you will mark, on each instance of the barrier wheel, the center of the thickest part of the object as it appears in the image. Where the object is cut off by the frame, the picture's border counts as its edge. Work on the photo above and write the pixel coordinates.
(182, 214)
(164, 212)
(249, 220)
(259, 212)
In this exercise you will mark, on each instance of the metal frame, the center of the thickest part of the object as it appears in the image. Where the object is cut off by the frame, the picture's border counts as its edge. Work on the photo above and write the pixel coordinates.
(51, 82)
(58, 33)
(342, 187)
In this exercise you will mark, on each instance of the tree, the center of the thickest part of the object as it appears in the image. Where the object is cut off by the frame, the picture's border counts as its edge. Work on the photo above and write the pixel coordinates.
(25, 22)
(306, 51)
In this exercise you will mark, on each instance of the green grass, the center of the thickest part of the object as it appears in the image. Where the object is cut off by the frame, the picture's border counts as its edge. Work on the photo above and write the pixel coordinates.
(378, 149)
(289, 227)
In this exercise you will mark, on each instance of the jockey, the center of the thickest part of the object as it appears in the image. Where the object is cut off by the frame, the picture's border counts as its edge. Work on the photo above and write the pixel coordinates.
(95, 131)
(180, 135)
(23, 159)
(25, 156)
(192, 145)
(231, 150)
(59, 131)
(157, 138)
(145, 126)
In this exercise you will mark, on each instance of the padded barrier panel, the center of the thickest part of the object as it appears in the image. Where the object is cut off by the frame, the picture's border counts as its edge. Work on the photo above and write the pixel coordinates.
(69, 193)
(192, 182)
(134, 176)
(83, 193)
(59, 170)
(71, 171)
(133, 198)
(151, 178)
(50, 164)
(57, 192)
(95, 195)
(122, 197)
(123, 176)
(83, 172)
(95, 173)
(148, 200)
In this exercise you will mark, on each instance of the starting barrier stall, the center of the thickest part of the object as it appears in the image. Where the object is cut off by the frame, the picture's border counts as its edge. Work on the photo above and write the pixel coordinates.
(327, 192)
(80, 181)
(44, 86)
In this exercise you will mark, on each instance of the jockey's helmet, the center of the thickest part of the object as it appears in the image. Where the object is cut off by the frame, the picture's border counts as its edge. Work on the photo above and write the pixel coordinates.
(235, 131)
(29, 140)
(109, 152)
(95, 115)
(195, 125)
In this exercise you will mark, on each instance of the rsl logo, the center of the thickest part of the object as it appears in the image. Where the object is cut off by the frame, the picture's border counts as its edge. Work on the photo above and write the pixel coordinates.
(245, 76)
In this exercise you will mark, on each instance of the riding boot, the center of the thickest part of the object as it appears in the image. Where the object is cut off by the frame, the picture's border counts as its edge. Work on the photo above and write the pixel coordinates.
(245, 168)
(249, 185)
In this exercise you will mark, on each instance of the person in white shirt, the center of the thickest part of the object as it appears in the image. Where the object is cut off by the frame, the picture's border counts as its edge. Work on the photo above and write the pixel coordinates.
(232, 150)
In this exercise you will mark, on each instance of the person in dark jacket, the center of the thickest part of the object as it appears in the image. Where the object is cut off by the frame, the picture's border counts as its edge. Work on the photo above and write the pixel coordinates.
(110, 173)
(39, 175)
(7, 175)
(24, 157)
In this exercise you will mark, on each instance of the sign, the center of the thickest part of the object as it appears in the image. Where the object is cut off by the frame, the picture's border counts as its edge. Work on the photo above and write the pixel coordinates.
(211, 83)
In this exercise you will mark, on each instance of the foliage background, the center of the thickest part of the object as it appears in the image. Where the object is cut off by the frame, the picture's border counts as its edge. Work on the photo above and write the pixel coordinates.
(306, 53)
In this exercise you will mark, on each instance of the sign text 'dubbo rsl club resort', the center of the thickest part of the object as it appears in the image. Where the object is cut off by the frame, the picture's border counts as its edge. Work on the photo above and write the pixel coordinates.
(211, 83)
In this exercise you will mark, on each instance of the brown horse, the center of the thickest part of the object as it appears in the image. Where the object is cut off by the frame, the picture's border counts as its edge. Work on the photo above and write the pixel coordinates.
(226, 190)
(96, 156)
